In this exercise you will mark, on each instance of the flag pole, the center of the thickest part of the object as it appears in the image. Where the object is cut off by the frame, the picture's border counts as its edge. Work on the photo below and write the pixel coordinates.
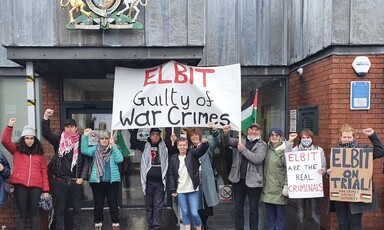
(173, 133)
(110, 146)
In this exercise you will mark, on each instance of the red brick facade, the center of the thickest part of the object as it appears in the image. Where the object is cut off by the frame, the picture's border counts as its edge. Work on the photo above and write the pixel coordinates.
(326, 83)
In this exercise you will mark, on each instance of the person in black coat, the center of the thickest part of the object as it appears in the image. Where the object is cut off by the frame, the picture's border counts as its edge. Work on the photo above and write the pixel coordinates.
(184, 179)
(68, 167)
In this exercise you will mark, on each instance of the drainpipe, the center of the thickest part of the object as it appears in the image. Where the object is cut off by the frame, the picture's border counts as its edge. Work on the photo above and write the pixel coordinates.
(31, 99)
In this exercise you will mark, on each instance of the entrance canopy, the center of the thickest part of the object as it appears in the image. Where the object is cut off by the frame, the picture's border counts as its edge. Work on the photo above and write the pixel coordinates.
(98, 62)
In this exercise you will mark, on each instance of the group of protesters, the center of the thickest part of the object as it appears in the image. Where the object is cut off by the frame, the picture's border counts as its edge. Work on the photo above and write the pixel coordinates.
(185, 169)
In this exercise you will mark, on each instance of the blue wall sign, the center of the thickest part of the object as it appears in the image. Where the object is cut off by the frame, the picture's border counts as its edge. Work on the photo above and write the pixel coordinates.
(360, 95)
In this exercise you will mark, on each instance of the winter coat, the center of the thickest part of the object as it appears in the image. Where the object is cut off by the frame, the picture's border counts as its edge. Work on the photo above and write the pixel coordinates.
(275, 175)
(207, 189)
(360, 207)
(28, 170)
(191, 162)
(255, 157)
(82, 164)
(115, 158)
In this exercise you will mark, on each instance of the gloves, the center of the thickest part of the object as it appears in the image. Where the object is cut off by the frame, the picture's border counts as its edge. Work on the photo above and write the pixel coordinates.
(285, 190)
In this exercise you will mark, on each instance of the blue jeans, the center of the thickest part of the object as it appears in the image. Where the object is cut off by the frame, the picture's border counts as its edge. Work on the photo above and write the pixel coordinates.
(276, 216)
(191, 198)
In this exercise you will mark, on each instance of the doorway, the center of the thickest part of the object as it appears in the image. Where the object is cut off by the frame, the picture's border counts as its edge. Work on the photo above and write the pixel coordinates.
(130, 194)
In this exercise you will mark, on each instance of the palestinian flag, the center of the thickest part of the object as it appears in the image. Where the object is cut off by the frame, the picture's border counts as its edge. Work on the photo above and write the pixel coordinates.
(249, 111)
(121, 143)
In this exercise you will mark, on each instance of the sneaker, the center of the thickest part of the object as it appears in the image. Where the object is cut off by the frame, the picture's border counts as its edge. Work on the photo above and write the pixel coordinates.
(99, 226)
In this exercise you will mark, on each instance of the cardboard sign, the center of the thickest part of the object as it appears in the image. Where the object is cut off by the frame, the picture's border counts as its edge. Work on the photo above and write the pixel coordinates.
(304, 179)
(351, 176)
(177, 95)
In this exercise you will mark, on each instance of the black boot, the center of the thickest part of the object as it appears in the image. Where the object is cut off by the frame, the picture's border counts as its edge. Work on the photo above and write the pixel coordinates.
(204, 220)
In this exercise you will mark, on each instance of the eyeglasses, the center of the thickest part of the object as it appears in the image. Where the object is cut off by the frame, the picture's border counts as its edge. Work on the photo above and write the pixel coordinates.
(274, 135)
(104, 138)
(29, 138)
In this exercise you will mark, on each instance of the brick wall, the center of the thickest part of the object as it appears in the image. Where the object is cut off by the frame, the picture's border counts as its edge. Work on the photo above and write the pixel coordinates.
(326, 83)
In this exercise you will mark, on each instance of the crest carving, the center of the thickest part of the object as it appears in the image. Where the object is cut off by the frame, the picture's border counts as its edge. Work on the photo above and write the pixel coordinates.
(103, 14)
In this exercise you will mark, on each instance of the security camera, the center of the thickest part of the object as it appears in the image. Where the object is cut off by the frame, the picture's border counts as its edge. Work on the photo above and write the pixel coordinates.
(299, 71)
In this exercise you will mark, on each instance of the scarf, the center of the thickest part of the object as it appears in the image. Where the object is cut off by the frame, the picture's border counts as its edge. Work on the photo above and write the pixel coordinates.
(102, 155)
(69, 141)
(352, 144)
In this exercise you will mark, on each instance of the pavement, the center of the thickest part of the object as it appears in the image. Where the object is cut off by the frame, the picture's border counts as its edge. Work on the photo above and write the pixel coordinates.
(223, 219)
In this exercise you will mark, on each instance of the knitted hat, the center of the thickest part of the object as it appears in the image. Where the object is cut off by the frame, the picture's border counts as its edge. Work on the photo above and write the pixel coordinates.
(276, 130)
(28, 131)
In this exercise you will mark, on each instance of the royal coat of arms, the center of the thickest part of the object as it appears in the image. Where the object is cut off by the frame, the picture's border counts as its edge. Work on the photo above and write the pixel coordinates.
(103, 14)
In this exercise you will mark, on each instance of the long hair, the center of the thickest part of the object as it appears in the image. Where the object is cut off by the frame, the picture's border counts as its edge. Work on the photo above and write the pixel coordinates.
(306, 132)
(36, 148)
(193, 131)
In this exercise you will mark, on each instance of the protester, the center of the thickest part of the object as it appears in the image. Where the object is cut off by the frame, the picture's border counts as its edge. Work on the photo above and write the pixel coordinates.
(5, 172)
(153, 171)
(208, 197)
(105, 176)
(184, 179)
(304, 142)
(29, 174)
(350, 213)
(247, 173)
(68, 167)
(275, 190)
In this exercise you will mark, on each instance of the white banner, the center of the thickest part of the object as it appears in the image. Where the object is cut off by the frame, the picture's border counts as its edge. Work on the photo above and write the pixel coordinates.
(304, 179)
(177, 95)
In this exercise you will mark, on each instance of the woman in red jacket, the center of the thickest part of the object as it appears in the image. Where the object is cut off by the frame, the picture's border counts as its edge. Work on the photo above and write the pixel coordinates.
(29, 173)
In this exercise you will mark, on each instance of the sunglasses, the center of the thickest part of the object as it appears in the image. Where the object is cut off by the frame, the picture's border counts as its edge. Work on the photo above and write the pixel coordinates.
(104, 138)
(274, 135)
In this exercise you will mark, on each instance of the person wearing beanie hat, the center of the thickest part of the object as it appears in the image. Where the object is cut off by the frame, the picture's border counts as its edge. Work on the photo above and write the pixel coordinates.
(153, 171)
(68, 168)
(275, 130)
(246, 173)
(29, 174)
(275, 190)
(28, 131)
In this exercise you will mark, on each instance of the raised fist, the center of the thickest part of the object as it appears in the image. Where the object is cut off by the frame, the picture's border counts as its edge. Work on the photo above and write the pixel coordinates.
(11, 121)
(48, 113)
(292, 137)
